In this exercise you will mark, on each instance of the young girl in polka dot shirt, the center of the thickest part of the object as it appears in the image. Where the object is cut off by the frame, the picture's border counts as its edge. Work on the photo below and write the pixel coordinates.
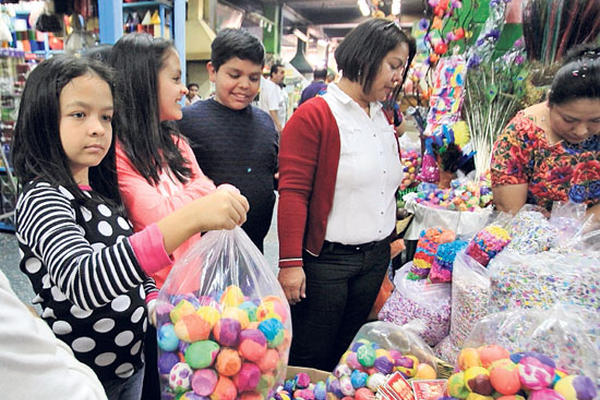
(88, 269)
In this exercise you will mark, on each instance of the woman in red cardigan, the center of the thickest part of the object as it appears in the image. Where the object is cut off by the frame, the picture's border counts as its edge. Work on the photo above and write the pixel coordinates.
(339, 171)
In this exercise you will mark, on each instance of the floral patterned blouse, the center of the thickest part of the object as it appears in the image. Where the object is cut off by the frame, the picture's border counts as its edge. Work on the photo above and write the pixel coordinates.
(559, 172)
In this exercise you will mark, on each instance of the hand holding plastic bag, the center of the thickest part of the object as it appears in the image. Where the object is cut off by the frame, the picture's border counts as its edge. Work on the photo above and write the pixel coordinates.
(224, 326)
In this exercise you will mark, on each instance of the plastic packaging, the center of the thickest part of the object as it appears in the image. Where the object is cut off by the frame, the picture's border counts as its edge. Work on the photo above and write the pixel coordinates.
(421, 301)
(380, 348)
(443, 264)
(543, 279)
(223, 322)
(470, 302)
(567, 334)
(410, 154)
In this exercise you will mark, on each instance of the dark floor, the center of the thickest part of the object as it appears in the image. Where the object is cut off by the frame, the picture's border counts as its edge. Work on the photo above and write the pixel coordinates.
(9, 260)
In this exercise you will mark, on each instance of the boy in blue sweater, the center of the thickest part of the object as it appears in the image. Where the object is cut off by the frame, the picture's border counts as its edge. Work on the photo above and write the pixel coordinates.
(233, 141)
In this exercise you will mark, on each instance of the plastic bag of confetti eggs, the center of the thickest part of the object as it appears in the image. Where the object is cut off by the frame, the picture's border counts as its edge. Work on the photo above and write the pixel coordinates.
(223, 323)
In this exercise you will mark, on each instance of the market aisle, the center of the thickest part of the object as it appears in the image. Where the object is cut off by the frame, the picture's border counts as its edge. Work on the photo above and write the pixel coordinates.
(9, 260)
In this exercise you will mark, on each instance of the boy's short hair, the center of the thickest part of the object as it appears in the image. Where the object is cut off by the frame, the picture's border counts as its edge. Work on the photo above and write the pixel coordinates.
(320, 73)
(275, 67)
(189, 86)
(239, 43)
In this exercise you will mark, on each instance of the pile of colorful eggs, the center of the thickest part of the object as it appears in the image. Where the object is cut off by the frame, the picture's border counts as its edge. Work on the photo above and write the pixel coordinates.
(488, 242)
(300, 387)
(461, 196)
(411, 161)
(364, 366)
(225, 347)
(491, 372)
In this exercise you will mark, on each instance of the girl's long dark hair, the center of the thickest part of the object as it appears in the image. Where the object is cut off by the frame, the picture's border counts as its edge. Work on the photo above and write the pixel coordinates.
(137, 59)
(37, 151)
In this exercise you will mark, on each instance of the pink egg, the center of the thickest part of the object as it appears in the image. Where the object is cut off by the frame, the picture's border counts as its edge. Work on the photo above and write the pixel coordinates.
(534, 374)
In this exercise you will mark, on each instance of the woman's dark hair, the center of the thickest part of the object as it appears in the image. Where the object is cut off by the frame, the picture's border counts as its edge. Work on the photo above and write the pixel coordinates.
(579, 76)
(360, 54)
(231, 43)
(137, 59)
(101, 53)
(37, 151)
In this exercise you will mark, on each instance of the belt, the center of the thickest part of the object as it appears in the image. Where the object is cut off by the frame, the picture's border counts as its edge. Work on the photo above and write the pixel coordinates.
(333, 246)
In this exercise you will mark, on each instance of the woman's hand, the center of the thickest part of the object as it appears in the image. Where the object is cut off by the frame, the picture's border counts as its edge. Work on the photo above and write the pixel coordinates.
(293, 282)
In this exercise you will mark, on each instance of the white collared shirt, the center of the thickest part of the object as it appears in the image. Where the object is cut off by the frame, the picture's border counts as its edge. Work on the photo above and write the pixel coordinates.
(369, 172)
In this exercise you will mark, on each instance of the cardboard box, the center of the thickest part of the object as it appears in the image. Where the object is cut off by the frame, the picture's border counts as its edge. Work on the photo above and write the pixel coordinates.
(315, 374)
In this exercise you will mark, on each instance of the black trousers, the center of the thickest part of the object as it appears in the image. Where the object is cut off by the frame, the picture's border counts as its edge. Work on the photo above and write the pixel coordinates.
(341, 287)
(151, 386)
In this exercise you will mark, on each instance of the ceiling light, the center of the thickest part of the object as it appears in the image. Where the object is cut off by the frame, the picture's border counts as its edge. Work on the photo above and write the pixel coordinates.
(365, 10)
(396, 7)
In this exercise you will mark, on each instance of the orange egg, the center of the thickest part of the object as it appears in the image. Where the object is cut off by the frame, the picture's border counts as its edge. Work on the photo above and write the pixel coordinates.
(425, 371)
(490, 353)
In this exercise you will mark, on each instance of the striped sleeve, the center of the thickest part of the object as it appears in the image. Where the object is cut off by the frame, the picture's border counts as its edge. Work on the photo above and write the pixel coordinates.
(46, 224)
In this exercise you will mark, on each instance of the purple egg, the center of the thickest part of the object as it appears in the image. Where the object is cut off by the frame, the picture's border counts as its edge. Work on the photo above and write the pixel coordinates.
(166, 362)
(584, 387)
(383, 365)
(227, 332)
(335, 388)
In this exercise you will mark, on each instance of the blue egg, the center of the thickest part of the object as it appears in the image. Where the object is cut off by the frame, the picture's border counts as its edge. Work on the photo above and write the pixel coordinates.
(358, 379)
(167, 339)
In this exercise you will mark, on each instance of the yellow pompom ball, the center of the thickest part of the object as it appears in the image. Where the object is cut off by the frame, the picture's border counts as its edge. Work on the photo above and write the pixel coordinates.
(210, 314)
(238, 314)
(461, 133)
(232, 296)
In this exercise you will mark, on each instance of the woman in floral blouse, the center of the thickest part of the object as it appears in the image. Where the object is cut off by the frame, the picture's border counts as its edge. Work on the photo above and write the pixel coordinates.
(551, 150)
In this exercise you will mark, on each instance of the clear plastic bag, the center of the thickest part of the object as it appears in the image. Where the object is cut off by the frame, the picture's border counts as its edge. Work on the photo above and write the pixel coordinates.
(567, 334)
(410, 154)
(421, 301)
(223, 323)
(531, 231)
(470, 300)
(378, 349)
(543, 279)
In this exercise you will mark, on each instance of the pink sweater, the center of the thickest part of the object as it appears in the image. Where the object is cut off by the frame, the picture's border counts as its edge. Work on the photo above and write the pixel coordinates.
(147, 204)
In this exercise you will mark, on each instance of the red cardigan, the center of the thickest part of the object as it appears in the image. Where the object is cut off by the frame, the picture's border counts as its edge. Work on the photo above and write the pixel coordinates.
(309, 155)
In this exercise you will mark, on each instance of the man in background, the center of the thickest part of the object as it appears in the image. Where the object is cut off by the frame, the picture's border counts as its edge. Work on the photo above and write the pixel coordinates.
(273, 98)
(192, 95)
(317, 86)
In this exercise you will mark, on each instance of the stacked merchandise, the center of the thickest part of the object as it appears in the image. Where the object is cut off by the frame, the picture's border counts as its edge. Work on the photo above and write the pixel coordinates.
(471, 286)
(422, 291)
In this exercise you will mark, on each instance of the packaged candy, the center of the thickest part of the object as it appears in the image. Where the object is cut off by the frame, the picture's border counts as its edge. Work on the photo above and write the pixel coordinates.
(491, 370)
(565, 335)
(470, 302)
(421, 301)
(378, 349)
(441, 269)
(488, 242)
(427, 246)
(223, 322)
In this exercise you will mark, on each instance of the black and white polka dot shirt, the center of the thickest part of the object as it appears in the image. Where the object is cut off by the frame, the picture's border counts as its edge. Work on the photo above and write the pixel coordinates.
(84, 271)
